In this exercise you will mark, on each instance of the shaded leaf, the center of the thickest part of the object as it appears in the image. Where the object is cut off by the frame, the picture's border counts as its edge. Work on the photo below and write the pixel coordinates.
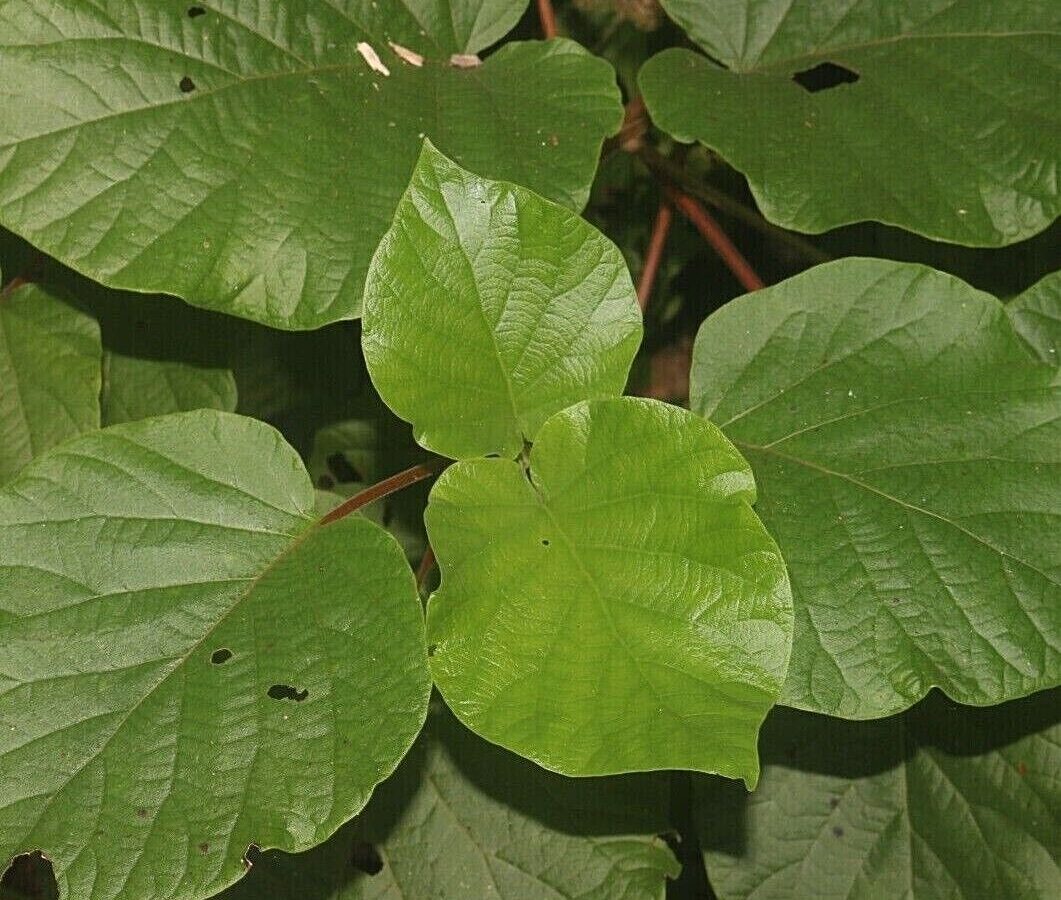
(906, 445)
(1036, 316)
(617, 607)
(462, 818)
(49, 374)
(249, 159)
(937, 117)
(942, 802)
(488, 309)
(190, 664)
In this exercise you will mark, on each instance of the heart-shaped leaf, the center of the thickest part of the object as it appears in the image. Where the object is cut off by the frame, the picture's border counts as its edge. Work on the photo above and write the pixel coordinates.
(937, 117)
(942, 802)
(488, 309)
(49, 374)
(908, 451)
(250, 158)
(1036, 314)
(190, 665)
(462, 818)
(618, 606)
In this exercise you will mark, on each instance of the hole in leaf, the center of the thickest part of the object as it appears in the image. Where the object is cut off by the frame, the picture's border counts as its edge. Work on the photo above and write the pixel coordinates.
(340, 467)
(204, 847)
(824, 76)
(195, 11)
(30, 875)
(221, 655)
(187, 85)
(286, 692)
(365, 858)
(838, 831)
(545, 542)
(431, 649)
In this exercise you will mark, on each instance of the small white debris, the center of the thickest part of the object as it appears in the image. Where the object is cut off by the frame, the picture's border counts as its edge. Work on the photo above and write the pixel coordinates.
(465, 60)
(410, 56)
(372, 58)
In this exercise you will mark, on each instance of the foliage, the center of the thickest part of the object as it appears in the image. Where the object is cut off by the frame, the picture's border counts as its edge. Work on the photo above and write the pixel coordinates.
(401, 340)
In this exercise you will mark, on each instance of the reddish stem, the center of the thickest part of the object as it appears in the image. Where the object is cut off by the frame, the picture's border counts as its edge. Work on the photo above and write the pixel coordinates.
(384, 488)
(427, 563)
(13, 285)
(712, 232)
(654, 254)
(548, 18)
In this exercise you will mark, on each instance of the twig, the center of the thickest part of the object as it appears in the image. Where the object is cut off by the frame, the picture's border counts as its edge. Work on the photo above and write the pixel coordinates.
(548, 18)
(712, 232)
(13, 285)
(427, 563)
(676, 175)
(654, 254)
(384, 488)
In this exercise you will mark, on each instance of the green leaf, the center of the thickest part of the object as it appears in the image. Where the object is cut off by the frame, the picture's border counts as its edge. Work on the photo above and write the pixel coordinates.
(441, 26)
(942, 802)
(488, 309)
(1036, 316)
(49, 374)
(191, 665)
(618, 607)
(951, 130)
(159, 356)
(462, 818)
(250, 159)
(906, 445)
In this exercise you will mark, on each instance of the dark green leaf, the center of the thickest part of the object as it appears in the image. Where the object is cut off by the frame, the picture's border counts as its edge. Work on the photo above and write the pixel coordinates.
(249, 159)
(942, 802)
(617, 607)
(1036, 315)
(190, 664)
(937, 117)
(908, 451)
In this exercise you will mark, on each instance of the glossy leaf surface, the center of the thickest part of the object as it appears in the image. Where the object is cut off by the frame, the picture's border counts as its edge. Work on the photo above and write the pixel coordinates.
(462, 818)
(939, 117)
(617, 607)
(940, 803)
(191, 665)
(249, 159)
(908, 451)
(1036, 315)
(488, 309)
(49, 374)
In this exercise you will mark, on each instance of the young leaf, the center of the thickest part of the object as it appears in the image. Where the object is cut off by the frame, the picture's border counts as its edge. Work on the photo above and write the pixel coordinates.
(250, 158)
(488, 309)
(49, 375)
(617, 608)
(1036, 315)
(190, 664)
(939, 118)
(907, 448)
(462, 818)
(942, 802)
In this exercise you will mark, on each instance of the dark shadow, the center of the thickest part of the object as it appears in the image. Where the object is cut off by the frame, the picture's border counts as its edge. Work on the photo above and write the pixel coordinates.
(824, 76)
(29, 877)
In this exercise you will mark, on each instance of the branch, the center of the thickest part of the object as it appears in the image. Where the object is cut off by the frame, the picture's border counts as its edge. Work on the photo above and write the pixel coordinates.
(654, 254)
(427, 563)
(712, 232)
(548, 18)
(384, 488)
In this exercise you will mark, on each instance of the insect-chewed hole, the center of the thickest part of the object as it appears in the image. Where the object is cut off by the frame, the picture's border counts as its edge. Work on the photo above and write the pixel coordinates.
(545, 542)
(30, 875)
(195, 11)
(220, 656)
(187, 85)
(365, 858)
(286, 692)
(824, 76)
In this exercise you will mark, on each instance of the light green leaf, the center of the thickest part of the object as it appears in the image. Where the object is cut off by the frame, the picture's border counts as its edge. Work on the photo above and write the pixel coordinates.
(618, 607)
(249, 159)
(190, 664)
(462, 818)
(907, 448)
(49, 374)
(437, 26)
(941, 803)
(488, 309)
(1036, 315)
(952, 129)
